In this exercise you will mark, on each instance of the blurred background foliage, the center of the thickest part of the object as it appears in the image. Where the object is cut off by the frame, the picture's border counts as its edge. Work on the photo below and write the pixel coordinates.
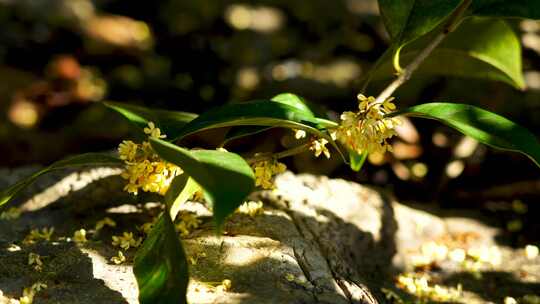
(60, 58)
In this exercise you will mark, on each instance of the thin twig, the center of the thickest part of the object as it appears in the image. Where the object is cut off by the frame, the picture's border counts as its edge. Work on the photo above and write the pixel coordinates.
(406, 73)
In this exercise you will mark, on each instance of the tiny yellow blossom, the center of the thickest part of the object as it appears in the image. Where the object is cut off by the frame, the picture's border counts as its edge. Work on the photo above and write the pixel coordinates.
(126, 240)
(127, 150)
(226, 285)
(188, 222)
(152, 131)
(146, 227)
(79, 236)
(251, 208)
(34, 259)
(419, 286)
(37, 234)
(299, 134)
(119, 258)
(369, 128)
(319, 147)
(11, 214)
(265, 171)
(107, 221)
(531, 252)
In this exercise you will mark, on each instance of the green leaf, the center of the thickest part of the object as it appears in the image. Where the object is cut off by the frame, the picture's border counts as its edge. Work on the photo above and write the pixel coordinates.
(255, 113)
(88, 159)
(407, 20)
(170, 122)
(226, 178)
(180, 190)
(293, 100)
(357, 160)
(483, 48)
(260, 113)
(484, 126)
(160, 265)
(284, 98)
(507, 8)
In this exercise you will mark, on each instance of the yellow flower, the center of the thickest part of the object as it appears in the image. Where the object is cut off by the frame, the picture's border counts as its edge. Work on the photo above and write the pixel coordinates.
(225, 285)
(118, 259)
(36, 234)
(105, 222)
(79, 236)
(154, 132)
(251, 208)
(127, 150)
(35, 260)
(298, 134)
(144, 169)
(265, 171)
(188, 222)
(126, 240)
(11, 214)
(319, 147)
(369, 128)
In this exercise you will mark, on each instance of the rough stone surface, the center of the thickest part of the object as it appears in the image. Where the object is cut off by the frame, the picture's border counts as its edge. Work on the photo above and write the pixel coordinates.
(319, 240)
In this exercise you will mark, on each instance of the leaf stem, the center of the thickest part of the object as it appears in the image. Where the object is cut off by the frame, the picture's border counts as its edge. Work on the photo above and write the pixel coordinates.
(406, 73)
(282, 154)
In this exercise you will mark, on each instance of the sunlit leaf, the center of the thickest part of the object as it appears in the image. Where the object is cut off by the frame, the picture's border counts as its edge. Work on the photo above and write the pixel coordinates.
(484, 48)
(225, 177)
(181, 189)
(484, 126)
(88, 159)
(407, 20)
(160, 265)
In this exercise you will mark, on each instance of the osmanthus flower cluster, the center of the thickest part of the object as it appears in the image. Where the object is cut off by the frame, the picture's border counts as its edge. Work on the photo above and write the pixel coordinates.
(265, 170)
(144, 169)
(369, 129)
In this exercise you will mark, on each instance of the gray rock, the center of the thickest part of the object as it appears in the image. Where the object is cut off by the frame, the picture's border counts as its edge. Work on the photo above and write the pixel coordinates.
(319, 240)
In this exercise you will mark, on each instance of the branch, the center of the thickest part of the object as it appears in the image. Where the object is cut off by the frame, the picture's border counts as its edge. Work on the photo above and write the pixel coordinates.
(406, 73)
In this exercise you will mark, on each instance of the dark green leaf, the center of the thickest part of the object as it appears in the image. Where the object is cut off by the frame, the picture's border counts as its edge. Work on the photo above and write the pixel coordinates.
(406, 20)
(170, 122)
(484, 48)
(88, 159)
(484, 126)
(357, 160)
(507, 8)
(160, 265)
(225, 177)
